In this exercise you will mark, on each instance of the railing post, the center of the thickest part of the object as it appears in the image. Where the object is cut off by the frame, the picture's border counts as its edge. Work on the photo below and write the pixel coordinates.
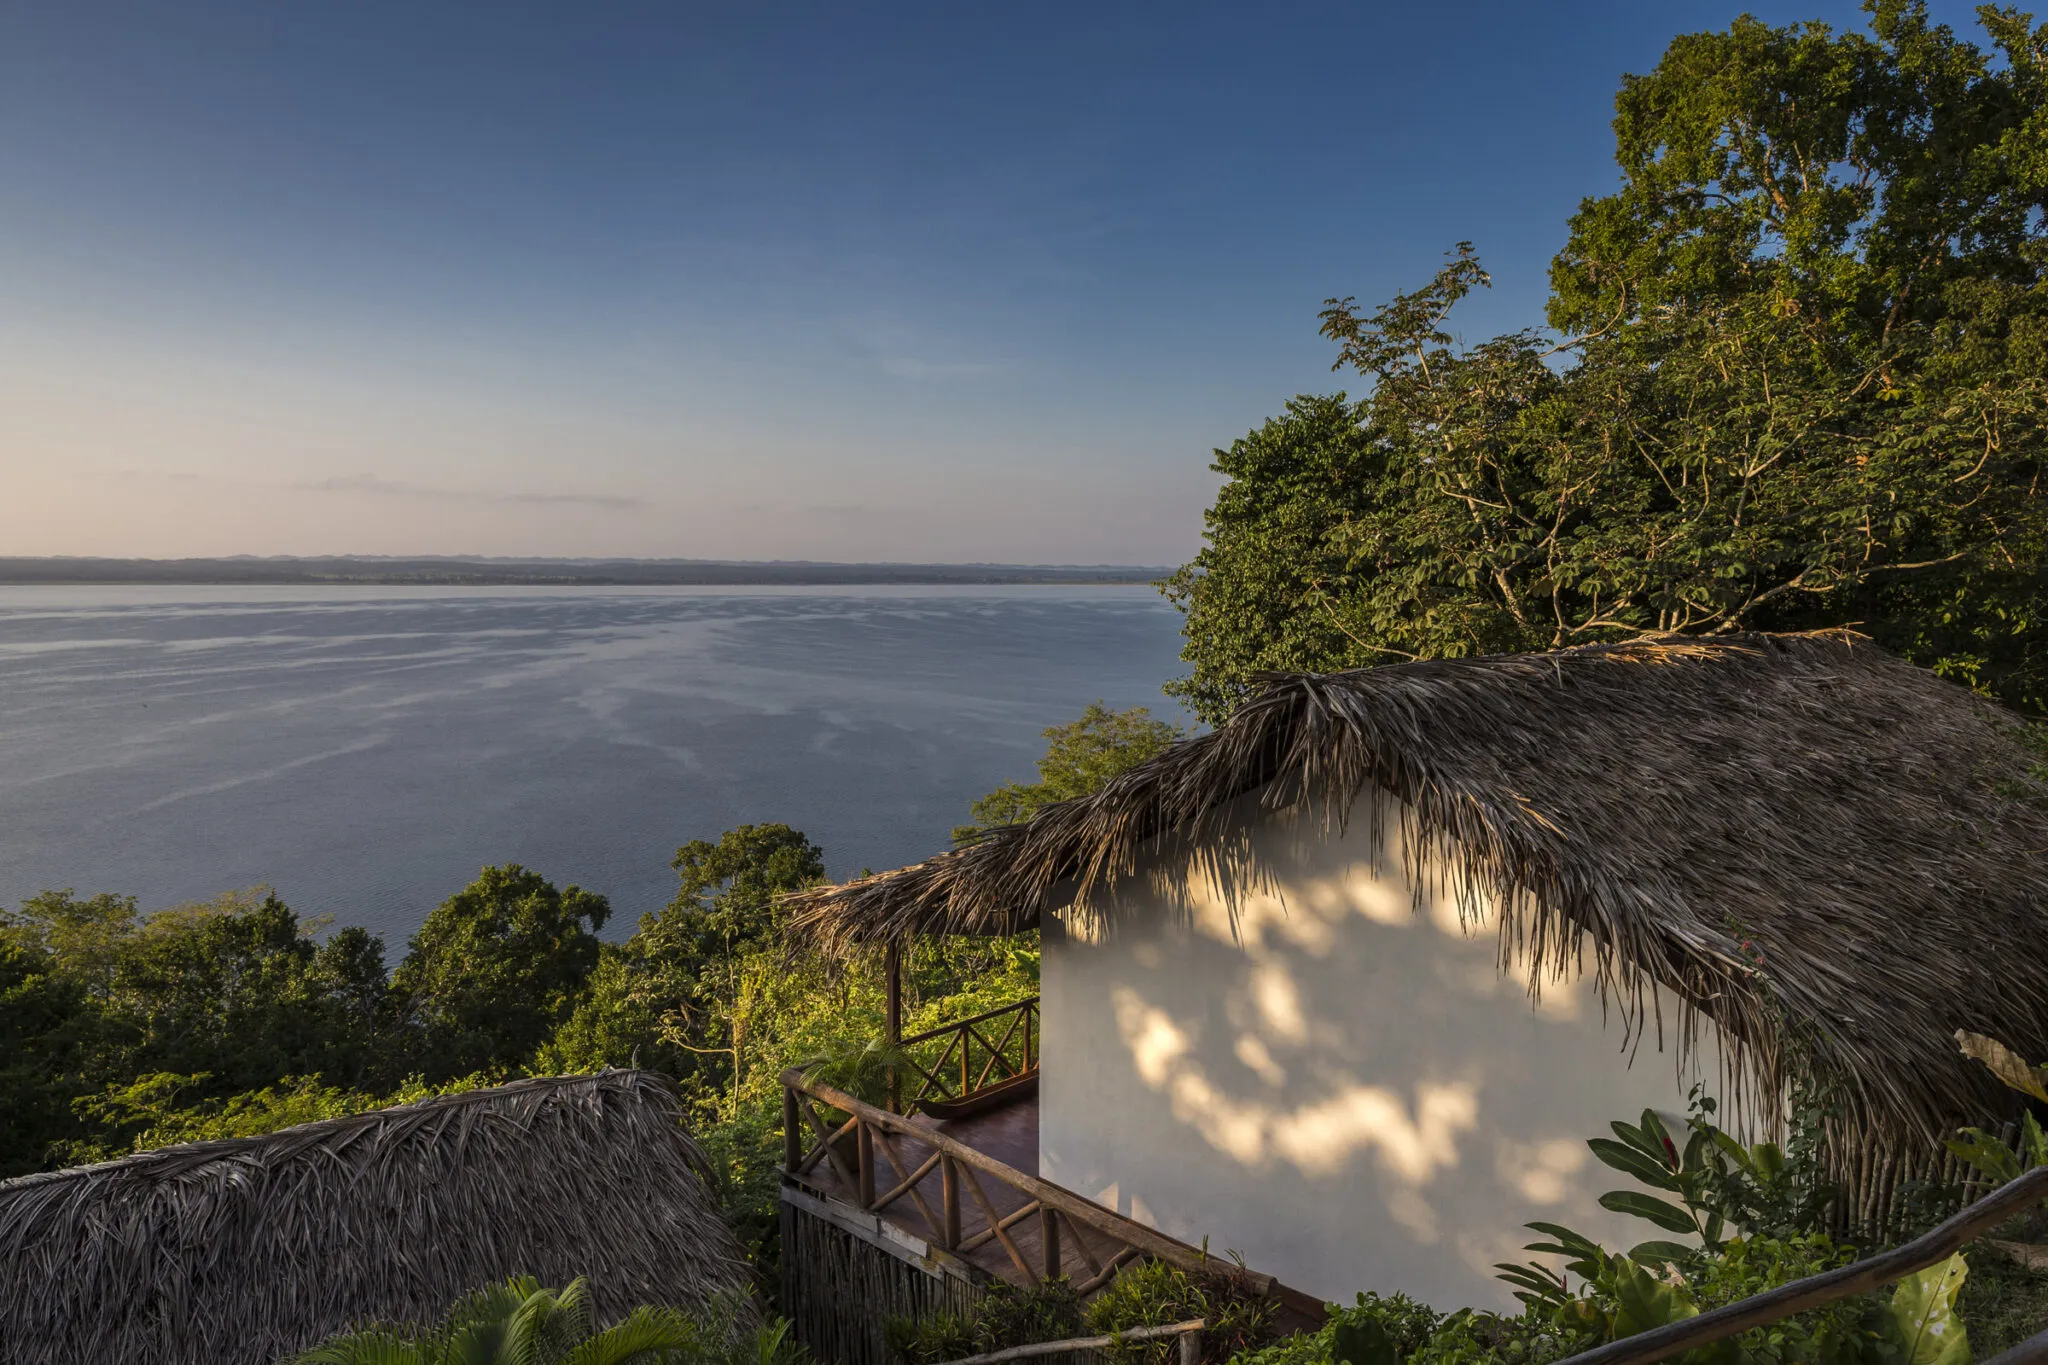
(864, 1154)
(1191, 1347)
(893, 1022)
(792, 1131)
(949, 1190)
(1049, 1239)
(966, 1076)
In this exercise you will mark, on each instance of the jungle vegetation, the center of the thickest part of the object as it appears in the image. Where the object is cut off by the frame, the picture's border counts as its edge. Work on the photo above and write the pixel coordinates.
(1793, 373)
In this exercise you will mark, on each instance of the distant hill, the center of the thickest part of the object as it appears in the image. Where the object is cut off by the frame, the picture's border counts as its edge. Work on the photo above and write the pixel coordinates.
(453, 570)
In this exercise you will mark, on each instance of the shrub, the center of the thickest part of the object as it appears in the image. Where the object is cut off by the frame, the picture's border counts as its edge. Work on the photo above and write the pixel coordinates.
(1006, 1316)
(1156, 1294)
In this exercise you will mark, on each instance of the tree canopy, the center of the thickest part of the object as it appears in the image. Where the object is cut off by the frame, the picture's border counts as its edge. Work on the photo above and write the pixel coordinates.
(1795, 375)
(1080, 757)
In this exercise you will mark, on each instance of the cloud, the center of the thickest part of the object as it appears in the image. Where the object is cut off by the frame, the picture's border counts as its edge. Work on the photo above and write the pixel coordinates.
(373, 485)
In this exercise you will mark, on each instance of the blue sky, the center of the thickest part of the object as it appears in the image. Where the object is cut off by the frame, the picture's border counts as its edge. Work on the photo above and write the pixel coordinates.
(947, 282)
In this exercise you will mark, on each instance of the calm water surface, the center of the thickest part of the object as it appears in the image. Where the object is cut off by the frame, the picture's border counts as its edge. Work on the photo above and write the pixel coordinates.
(365, 751)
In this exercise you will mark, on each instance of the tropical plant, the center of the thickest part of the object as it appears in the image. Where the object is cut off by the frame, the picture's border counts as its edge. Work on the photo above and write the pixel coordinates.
(1755, 1211)
(1237, 1318)
(1984, 1151)
(1006, 1315)
(1376, 1330)
(521, 1323)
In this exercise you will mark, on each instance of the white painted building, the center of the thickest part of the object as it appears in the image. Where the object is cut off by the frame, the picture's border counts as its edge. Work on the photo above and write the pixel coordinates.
(1340, 1087)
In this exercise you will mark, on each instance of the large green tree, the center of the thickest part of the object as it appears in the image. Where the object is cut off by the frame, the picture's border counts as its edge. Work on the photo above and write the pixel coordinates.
(1796, 375)
(1080, 758)
(675, 995)
(40, 1015)
(495, 968)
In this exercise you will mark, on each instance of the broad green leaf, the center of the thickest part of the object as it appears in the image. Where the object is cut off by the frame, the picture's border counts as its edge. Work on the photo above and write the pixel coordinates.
(1574, 1243)
(1661, 1253)
(1643, 1141)
(1768, 1160)
(1629, 1161)
(2033, 1142)
(1665, 1215)
(1986, 1153)
(1923, 1310)
(2005, 1064)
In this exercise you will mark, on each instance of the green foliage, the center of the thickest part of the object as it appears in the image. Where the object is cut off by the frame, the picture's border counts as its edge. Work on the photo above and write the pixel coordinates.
(1984, 1152)
(164, 1108)
(929, 1340)
(1006, 1316)
(1156, 1294)
(40, 1015)
(1080, 759)
(1799, 377)
(1756, 1214)
(521, 1323)
(496, 967)
(1374, 1331)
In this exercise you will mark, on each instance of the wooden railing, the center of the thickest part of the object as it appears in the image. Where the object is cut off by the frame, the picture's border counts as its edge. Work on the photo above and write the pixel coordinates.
(881, 1160)
(1189, 1332)
(955, 1060)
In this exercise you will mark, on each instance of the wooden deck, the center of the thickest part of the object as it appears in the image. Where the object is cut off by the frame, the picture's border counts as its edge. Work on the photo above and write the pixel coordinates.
(1010, 1135)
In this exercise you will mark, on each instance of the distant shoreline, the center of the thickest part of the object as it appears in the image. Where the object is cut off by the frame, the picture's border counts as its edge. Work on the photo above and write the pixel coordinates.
(462, 571)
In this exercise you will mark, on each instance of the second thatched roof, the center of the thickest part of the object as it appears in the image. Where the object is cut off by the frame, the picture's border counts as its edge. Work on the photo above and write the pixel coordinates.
(246, 1250)
(1808, 840)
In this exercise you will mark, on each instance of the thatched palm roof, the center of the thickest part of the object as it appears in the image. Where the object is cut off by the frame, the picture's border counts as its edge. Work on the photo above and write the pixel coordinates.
(1809, 840)
(249, 1249)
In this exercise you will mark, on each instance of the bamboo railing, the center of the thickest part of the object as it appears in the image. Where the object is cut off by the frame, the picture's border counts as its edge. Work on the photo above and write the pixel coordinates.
(945, 1063)
(881, 1160)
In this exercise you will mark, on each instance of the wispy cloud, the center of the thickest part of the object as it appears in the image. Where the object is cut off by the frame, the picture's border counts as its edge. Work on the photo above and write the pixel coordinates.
(374, 485)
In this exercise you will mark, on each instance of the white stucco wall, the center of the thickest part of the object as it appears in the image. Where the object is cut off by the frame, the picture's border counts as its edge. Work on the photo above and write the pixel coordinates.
(1347, 1093)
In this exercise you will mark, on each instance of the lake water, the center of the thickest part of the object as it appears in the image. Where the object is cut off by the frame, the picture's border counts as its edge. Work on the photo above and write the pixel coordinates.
(366, 750)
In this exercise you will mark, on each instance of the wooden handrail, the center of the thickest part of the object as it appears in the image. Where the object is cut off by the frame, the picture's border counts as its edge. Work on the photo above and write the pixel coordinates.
(2032, 1351)
(944, 1029)
(1007, 1058)
(1931, 1249)
(1186, 1331)
(868, 1120)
